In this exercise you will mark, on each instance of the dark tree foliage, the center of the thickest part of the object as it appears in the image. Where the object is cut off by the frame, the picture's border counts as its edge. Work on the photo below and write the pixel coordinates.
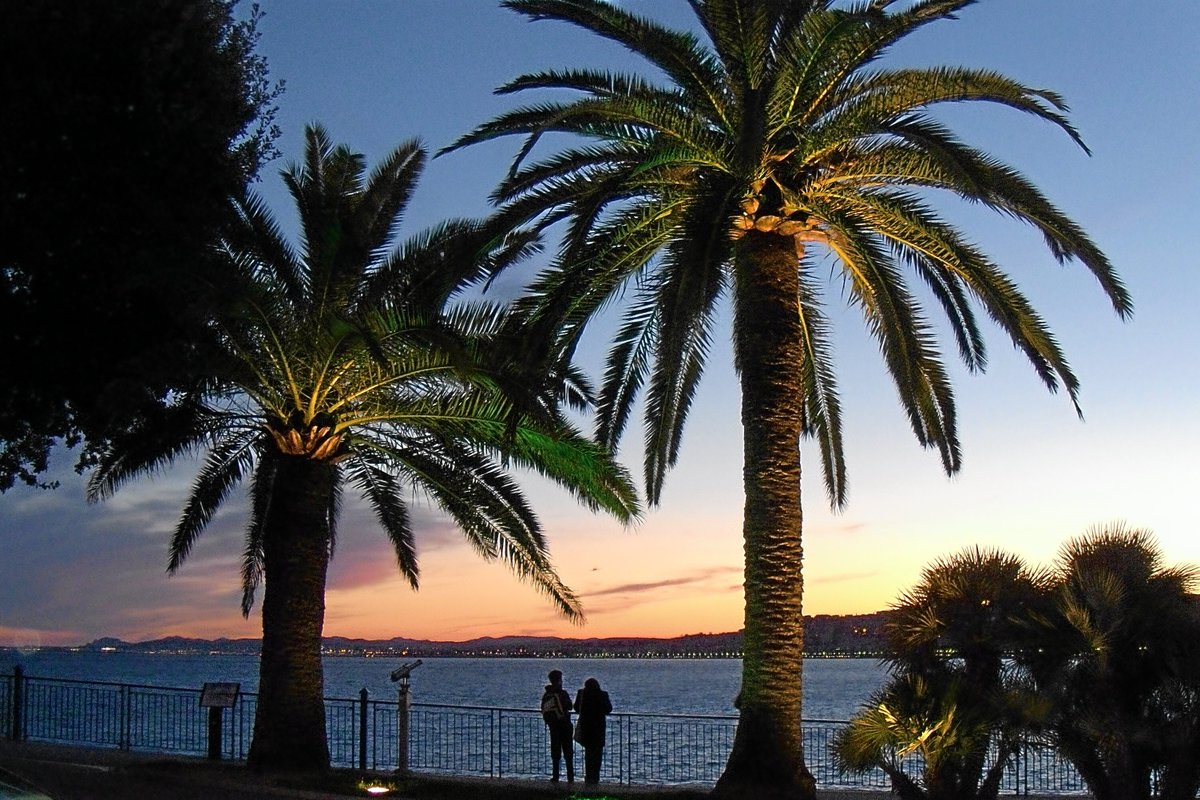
(127, 126)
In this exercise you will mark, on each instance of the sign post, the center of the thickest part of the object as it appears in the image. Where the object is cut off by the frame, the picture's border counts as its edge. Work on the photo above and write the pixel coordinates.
(217, 697)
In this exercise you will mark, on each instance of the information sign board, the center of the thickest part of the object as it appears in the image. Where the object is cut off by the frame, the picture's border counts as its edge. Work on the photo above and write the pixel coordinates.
(219, 695)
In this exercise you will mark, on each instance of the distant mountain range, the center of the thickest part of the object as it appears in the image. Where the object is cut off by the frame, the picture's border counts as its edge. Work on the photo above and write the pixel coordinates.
(830, 636)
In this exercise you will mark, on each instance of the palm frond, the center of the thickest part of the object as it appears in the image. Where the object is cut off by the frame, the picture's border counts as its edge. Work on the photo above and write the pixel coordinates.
(490, 510)
(676, 53)
(150, 446)
(584, 468)
(905, 339)
(378, 210)
(629, 360)
(822, 405)
(936, 253)
(262, 488)
(687, 307)
(1006, 190)
(258, 243)
(425, 271)
(385, 495)
(227, 463)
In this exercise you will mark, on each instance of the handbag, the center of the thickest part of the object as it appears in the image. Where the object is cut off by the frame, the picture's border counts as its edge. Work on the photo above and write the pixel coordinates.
(579, 732)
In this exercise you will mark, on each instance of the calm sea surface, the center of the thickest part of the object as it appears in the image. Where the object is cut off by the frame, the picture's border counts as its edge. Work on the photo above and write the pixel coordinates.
(834, 688)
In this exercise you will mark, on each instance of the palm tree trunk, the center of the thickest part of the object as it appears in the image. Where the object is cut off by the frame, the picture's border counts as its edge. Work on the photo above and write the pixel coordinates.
(768, 755)
(289, 726)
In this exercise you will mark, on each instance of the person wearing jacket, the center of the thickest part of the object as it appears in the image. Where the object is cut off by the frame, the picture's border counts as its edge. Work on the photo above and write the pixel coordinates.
(556, 713)
(593, 705)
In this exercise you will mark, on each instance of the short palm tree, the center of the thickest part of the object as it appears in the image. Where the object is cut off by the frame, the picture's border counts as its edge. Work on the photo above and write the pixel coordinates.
(345, 366)
(774, 147)
(955, 697)
(922, 732)
(1120, 664)
(974, 607)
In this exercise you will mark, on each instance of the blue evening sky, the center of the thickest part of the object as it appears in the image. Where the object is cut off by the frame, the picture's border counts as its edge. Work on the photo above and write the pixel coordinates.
(377, 72)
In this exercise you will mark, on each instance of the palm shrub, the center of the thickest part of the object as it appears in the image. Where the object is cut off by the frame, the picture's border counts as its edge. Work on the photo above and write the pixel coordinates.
(347, 363)
(931, 736)
(771, 144)
(1119, 664)
(956, 700)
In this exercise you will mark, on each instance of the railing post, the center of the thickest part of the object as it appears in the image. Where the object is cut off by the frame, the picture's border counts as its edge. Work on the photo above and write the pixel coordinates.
(242, 725)
(626, 775)
(124, 743)
(498, 750)
(362, 729)
(18, 703)
(1023, 773)
(405, 703)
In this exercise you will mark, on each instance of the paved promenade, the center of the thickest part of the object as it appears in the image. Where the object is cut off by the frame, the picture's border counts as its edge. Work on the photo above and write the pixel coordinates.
(73, 773)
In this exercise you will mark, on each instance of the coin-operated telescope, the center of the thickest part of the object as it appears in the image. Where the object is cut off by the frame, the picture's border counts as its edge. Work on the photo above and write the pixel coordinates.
(400, 674)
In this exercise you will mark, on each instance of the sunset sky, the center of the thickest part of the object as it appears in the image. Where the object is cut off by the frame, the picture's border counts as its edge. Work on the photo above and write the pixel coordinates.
(376, 72)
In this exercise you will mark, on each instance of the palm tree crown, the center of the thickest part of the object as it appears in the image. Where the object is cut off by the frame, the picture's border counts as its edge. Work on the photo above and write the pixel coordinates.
(784, 126)
(344, 363)
(774, 140)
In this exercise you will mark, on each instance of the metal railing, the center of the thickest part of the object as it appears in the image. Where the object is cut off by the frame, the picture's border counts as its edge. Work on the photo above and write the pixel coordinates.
(510, 742)
(460, 740)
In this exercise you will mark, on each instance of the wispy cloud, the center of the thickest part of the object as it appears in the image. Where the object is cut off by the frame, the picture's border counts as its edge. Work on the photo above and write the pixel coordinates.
(651, 586)
(846, 577)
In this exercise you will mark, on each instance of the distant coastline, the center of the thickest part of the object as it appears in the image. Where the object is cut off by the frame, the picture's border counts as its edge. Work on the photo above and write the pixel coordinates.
(826, 636)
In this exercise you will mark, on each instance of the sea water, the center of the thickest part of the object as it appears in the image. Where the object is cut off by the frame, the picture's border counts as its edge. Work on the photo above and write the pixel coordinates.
(834, 689)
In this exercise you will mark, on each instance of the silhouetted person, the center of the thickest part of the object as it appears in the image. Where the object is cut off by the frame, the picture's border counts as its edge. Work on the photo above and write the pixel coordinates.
(593, 706)
(556, 711)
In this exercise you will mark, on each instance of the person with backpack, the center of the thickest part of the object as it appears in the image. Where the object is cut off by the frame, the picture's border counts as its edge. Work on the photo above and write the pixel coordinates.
(556, 712)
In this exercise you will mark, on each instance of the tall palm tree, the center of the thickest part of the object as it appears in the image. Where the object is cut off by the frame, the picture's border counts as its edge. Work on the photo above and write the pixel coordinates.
(955, 697)
(1120, 664)
(774, 140)
(344, 365)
